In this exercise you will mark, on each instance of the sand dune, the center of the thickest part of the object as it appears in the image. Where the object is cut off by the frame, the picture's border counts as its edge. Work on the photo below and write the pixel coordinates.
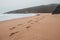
(43, 27)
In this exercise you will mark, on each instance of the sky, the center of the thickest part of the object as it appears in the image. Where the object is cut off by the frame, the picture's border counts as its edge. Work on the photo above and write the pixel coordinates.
(8, 5)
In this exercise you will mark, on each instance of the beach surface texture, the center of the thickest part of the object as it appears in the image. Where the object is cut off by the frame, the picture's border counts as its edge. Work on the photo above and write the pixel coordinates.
(39, 27)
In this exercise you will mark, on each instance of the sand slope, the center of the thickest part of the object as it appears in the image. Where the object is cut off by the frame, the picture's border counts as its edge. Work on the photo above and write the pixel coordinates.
(43, 27)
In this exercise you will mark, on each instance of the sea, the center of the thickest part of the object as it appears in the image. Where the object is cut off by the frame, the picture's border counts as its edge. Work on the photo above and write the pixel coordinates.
(4, 17)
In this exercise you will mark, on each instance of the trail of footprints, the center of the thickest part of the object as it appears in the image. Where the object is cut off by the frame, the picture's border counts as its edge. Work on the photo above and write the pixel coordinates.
(12, 28)
(27, 27)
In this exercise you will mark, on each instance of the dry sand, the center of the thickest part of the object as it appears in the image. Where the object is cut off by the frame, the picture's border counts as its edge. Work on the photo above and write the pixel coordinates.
(43, 27)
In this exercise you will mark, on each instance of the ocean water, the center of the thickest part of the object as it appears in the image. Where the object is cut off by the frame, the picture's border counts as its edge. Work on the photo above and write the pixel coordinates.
(4, 17)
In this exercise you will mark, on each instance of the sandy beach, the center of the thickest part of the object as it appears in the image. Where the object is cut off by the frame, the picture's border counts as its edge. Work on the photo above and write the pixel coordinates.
(42, 27)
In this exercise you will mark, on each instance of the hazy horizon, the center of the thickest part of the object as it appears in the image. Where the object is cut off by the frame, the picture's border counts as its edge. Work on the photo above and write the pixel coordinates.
(8, 5)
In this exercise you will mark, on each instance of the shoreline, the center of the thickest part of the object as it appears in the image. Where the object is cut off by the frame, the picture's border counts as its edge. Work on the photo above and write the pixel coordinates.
(12, 18)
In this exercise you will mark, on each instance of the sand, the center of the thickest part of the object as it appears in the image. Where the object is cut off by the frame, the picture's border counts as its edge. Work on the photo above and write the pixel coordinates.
(43, 27)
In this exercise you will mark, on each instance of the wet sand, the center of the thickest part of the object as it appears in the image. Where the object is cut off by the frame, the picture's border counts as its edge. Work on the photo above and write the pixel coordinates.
(39, 27)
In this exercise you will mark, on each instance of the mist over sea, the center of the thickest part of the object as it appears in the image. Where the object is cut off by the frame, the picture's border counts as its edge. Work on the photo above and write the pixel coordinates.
(4, 17)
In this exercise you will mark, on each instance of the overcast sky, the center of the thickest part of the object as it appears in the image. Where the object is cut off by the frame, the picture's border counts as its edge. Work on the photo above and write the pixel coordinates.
(8, 5)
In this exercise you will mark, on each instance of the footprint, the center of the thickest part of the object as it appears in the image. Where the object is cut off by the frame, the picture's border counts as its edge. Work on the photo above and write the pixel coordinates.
(12, 28)
(19, 24)
(36, 21)
(16, 31)
(29, 21)
(32, 23)
(27, 27)
(13, 33)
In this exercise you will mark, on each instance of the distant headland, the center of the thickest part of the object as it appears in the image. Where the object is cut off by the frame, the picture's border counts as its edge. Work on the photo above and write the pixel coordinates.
(37, 9)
